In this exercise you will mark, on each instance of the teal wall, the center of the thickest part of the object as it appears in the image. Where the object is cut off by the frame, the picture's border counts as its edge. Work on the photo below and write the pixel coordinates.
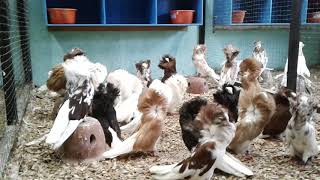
(122, 49)
(114, 49)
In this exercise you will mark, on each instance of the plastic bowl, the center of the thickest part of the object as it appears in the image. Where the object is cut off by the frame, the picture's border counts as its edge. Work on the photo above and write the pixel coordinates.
(62, 15)
(238, 16)
(182, 16)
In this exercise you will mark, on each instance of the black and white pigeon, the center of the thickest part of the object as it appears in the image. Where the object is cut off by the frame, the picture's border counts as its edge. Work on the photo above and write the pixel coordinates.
(82, 77)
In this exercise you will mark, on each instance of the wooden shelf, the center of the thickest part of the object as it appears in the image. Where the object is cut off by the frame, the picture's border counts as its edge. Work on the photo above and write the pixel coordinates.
(124, 15)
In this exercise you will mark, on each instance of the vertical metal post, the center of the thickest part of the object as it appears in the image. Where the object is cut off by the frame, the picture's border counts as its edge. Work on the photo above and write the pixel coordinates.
(24, 40)
(6, 65)
(294, 38)
(202, 29)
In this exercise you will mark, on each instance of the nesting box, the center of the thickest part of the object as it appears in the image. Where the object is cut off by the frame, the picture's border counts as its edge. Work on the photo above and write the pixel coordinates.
(197, 85)
(86, 143)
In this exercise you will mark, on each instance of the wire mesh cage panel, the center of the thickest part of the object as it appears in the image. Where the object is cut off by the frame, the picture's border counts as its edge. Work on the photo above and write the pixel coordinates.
(310, 37)
(15, 61)
(2, 112)
(261, 12)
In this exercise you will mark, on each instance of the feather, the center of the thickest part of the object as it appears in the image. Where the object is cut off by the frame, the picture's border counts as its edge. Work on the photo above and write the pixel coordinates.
(60, 124)
(163, 89)
(228, 97)
(103, 110)
(231, 165)
(153, 107)
(80, 91)
(302, 71)
(133, 125)
(188, 112)
(191, 136)
(199, 60)
(67, 132)
(144, 72)
(57, 80)
(230, 68)
(216, 133)
(178, 86)
(121, 148)
(301, 132)
(168, 65)
(255, 107)
(126, 108)
(130, 89)
(73, 53)
(115, 138)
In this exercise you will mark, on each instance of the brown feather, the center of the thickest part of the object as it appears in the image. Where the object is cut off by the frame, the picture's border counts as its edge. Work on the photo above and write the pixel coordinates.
(202, 159)
(251, 96)
(281, 117)
(57, 80)
(154, 109)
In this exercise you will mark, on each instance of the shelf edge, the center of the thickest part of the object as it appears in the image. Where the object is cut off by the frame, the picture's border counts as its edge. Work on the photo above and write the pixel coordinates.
(117, 28)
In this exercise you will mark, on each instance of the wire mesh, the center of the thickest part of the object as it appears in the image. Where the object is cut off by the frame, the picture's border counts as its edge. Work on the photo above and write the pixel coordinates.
(311, 36)
(241, 22)
(15, 61)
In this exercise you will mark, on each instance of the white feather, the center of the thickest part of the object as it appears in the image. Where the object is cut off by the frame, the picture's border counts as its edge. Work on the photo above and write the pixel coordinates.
(302, 68)
(130, 89)
(162, 169)
(60, 124)
(178, 85)
(98, 73)
(124, 147)
(133, 125)
(127, 83)
(125, 109)
(72, 126)
(231, 165)
(162, 89)
(115, 139)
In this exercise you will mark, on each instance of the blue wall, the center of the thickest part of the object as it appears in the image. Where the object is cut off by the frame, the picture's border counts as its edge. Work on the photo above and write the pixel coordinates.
(122, 49)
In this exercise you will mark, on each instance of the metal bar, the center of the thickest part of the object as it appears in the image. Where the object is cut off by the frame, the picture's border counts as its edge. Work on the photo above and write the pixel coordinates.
(294, 38)
(7, 67)
(202, 29)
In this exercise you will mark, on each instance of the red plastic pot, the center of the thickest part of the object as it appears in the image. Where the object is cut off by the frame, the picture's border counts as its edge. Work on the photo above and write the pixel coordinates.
(238, 16)
(182, 16)
(62, 15)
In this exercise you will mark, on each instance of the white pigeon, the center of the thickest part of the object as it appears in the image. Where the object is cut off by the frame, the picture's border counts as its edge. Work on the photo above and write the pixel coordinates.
(130, 89)
(302, 69)
(199, 61)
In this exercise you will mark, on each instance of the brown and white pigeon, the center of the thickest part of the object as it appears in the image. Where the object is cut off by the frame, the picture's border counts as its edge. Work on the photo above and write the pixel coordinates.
(211, 131)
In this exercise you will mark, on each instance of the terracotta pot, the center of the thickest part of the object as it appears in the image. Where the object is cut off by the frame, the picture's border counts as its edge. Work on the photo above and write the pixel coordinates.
(182, 16)
(86, 144)
(238, 16)
(62, 15)
(315, 17)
